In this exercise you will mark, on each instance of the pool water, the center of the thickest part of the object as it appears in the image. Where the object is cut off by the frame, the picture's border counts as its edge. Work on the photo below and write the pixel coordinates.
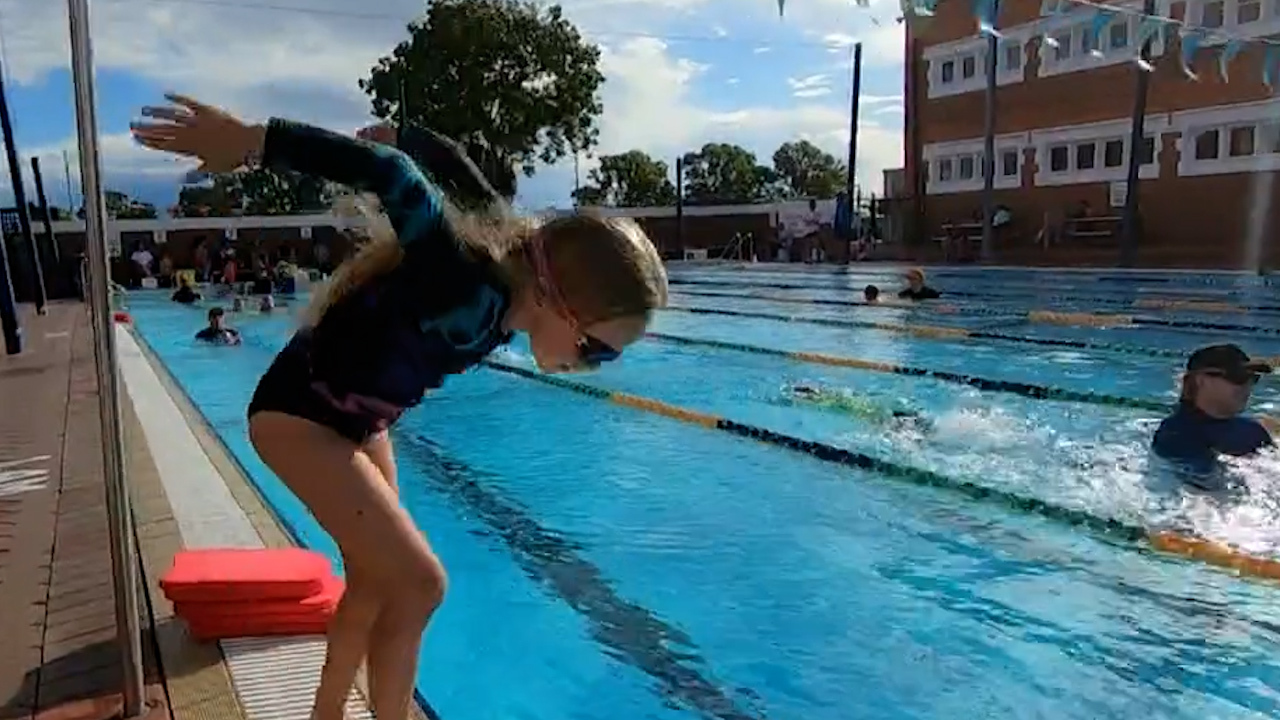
(607, 563)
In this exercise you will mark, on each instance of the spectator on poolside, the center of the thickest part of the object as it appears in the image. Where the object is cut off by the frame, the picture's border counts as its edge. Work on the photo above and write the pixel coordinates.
(916, 288)
(871, 294)
(1207, 422)
(218, 332)
(185, 294)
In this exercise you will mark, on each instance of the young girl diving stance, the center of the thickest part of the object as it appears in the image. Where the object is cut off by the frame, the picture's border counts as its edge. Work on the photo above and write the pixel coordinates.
(433, 292)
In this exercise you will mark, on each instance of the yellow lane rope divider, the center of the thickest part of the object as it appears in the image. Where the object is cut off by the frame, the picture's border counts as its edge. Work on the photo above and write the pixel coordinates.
(1170, 542)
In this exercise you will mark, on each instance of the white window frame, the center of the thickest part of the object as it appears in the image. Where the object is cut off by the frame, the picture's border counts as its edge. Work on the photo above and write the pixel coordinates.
(934, 153)
(1098, 134)
(1191, 123)
(1268, 22)
(935, 56)
(1078, 23)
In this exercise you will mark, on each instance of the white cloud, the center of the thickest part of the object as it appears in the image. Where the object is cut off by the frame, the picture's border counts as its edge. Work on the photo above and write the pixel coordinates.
(810, 81)
(811, 92)
(259, 62)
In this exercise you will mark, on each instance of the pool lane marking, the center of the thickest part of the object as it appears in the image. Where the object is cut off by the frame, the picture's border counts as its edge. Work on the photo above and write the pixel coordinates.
(935, 331)
(1207, 551)
(1038, 392)
(1119, 302)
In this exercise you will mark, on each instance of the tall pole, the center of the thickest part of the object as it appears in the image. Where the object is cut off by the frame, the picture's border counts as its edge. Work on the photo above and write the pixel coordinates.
(989, 138)
(8, 307)
(66, 175)
(1129, 221)
(20, 199)
(680, 205)
(52, 256)
(854, 104)
(124, 560)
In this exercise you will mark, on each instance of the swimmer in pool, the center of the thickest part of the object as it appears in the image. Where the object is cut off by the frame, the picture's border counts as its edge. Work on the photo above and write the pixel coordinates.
(859, 406)
(432, 292)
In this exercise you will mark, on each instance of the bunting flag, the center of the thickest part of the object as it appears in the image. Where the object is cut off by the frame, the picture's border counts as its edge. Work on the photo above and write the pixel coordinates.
(1190, 41)
(1229, 53)
(985, 10)
(782, 7)
(1269, 63)
(1101, 20)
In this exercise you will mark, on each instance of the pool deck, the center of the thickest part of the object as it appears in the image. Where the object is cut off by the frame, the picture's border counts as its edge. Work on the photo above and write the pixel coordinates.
(56, 595)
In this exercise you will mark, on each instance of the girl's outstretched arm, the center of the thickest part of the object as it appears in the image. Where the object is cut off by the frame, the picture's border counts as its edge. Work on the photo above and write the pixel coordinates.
(412, 203)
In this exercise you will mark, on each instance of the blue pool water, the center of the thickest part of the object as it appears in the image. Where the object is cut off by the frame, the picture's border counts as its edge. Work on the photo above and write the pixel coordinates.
(607, 563)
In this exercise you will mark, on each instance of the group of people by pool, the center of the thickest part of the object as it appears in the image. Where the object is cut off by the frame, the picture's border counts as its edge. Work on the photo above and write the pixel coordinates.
(446, 275)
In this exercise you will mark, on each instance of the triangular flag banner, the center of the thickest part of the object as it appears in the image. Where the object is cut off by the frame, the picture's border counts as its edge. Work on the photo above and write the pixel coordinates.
(926, 8)
(1269, 62)
(985, 10)
(1101, 20)
(1190, 44)
(864, 3)
(782, 6)
(1229, 53)
(1148, 29)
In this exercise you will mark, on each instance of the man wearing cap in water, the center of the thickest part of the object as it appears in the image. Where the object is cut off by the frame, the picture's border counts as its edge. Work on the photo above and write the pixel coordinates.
(1207, 423)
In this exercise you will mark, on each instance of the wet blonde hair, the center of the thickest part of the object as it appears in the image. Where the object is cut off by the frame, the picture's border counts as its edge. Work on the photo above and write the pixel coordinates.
(604, 268)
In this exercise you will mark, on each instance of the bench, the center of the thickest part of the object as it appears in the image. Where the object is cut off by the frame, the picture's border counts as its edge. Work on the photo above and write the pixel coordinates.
(969, 236)
(1094, 231)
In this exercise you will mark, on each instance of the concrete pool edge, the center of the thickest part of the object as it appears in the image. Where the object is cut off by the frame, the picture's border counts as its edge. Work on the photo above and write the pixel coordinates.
(261, 678)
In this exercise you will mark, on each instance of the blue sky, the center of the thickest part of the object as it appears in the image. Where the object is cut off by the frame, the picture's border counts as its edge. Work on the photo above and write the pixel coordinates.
(679, 73)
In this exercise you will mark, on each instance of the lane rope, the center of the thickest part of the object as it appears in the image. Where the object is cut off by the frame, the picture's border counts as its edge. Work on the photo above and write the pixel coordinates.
(1207, 551)
(936, 331)
(1038, 392)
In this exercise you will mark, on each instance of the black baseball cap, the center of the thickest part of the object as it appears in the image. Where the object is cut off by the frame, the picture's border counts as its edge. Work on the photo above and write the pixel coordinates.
(1230, 359)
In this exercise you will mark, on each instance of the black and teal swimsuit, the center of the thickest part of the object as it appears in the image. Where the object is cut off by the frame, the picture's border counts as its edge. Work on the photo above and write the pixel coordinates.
(378, 350)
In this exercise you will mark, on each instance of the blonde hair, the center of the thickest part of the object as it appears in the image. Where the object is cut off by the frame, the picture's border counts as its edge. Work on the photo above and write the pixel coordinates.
(605, 268)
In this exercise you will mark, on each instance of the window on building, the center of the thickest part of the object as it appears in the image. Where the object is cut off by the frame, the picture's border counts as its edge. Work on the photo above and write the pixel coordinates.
(1009, 163)
(1059, 158)
(968, 67)
(944, 170)
(1062, 51)
(1248, 11)
(966, 167)
(1240, 141)
(1269, 138)
(948, 71)
(1012, 55)
(1147, 153)
(1212, 13)
(1113, 153)
(1118, 34)
(1207, 145)
(1086, 155)
(1088, 41)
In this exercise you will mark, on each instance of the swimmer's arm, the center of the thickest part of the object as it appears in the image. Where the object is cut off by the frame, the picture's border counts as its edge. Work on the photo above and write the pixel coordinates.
(447, 162)
(411, 202)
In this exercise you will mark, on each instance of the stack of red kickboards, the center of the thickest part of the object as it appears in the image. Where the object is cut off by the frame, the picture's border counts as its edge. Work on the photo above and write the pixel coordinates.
(227, 593)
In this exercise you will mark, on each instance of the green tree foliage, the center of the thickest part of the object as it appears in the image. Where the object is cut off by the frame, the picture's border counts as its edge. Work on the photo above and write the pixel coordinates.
(630, 179)
(805, 170)
(723, 174)
(121, 206)
(513, 76)
(257, 192)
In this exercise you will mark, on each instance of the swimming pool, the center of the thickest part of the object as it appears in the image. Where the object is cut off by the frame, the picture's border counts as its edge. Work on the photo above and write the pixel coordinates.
(607, 563)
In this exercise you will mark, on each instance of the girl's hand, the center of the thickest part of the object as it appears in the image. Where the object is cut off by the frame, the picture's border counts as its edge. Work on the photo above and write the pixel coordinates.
(383, 133)
(186, 127)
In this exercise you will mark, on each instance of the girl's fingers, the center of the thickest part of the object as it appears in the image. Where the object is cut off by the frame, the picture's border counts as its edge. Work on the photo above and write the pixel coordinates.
(172, 114)
(191, 104)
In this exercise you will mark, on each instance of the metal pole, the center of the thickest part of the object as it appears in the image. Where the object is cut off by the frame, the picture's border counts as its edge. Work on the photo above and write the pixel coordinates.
(8, 307)
(1129, 219)
(854, 104)
(52, 257)
(123, 552)
(989, 139)
(680, 206)
(20, 199)
(66, 174)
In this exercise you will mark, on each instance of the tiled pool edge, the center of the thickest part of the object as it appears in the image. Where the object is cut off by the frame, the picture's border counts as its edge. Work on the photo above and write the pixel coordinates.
(201, 497)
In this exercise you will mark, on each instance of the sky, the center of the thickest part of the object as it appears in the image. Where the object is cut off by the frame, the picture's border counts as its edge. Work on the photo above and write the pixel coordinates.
(678, 74)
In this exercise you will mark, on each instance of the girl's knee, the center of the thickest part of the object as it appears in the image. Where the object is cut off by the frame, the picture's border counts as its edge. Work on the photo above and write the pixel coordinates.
(420, 586)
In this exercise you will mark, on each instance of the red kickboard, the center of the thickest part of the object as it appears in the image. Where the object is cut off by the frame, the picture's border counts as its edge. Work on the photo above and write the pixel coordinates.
(231, 574)
(321, 605)
(206, 631)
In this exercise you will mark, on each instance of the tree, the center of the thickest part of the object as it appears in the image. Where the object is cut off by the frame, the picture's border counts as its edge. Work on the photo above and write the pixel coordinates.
(123, 207)
(807, 171)
(512, 76)
(269, 192)
(631, 179)
(220, 196)
(721, 174)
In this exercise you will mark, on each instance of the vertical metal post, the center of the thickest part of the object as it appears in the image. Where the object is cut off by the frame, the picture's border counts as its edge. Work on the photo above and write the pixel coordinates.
(989, 138)
(66, 175)
(854, 105)
(51, 256)
(8, 306)
(680, 206)
(20, 199)
(1129, 229)
(123, 552)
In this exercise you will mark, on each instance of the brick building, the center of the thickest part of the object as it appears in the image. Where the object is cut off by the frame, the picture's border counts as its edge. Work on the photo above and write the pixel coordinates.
(1063, 109)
